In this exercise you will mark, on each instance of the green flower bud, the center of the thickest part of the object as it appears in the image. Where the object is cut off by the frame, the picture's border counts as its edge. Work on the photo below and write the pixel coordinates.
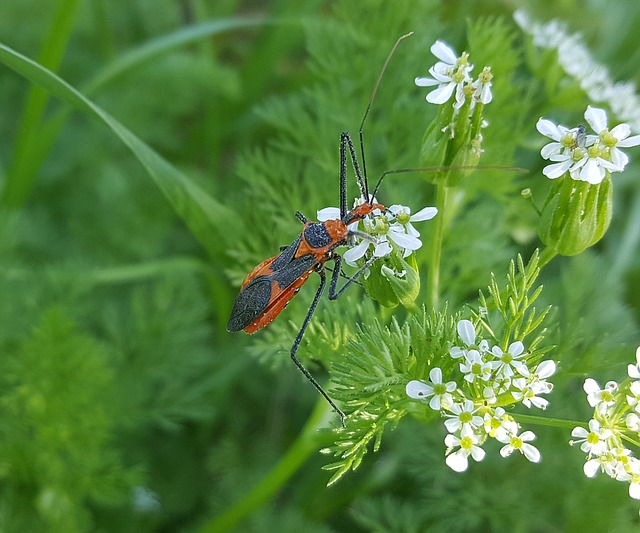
(393, 280)
(576, 215)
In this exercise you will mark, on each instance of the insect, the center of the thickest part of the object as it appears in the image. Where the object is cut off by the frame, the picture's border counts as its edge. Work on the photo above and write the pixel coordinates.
(271, 285)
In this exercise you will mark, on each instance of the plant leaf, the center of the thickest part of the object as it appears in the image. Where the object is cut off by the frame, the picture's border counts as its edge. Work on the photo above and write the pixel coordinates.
(194, 205)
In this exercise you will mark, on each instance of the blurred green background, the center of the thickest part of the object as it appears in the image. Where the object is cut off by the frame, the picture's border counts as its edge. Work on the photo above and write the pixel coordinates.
(124, 404)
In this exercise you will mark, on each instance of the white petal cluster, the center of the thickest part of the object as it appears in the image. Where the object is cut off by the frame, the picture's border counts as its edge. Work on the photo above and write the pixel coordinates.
(451, 75)
(576, 60)
(615, 420)
(586, 157)
(489, 377)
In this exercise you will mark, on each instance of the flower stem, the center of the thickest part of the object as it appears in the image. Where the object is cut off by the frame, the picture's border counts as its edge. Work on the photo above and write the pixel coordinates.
(436, 246)
(546, 256)
(552, 422)
(309, 440)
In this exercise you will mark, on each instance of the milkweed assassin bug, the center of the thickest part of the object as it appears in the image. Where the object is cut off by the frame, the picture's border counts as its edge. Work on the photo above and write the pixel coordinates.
(270, 286)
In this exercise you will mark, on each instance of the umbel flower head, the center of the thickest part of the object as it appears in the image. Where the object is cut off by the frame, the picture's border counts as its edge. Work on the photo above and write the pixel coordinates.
(471, 399)
(577, 212)
(394, 279)
(615, 421)
(586, 157)
(454, 138)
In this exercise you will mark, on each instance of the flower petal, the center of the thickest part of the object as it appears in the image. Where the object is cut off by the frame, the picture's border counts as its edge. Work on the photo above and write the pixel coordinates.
(551, 149)
(382, 248)
(621, 131)
(634, 140)
(592, 172)
(556, 170)
(457, 461)
(467, 332)
(418, 390)
(408, 242)
(328, 213)
(531, 452)
(444, 52)
(619, 158)
(426, 82)
(426, 213)
(435, 375)
(548, 129)
(441, 94)
(597, 118)
(355, 253)
(516, 348)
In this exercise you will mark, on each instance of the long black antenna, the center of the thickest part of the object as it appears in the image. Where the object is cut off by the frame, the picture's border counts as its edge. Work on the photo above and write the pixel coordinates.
(454, 167)
(366, 113)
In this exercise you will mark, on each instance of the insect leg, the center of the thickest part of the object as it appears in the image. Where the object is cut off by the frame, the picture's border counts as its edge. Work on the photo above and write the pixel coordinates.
(343, 173)
(296, 344)
(333, 294)
(345, 140)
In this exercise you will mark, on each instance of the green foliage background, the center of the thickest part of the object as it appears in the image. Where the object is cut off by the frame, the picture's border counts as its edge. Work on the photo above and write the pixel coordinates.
(124, 404)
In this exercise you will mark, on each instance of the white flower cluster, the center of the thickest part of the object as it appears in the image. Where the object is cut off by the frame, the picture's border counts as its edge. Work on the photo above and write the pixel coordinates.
(616, 418)
(473, 409)
(389, 228)
(586, 157)
(576, 60)
(452, 74)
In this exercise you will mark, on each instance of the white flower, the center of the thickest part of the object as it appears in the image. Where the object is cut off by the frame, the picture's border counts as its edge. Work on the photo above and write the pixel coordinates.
(527, 392)
(593, 441)
(462, 417)
(468, 443)
(604, 462)
(599, 398)
(467, 334)
(617, 137)
(475, 367)
(483, 86)
(449, 74)
(592, 168)
(586, 157)
(380, 249)
(509, 361)
(565, 139)
(439, 392)
(520, 443)
(632, 421)
(634, 370)
(498, 423)
(568, 151)
(634, 482)
(633, 399)
(538, 378)
(618, 467)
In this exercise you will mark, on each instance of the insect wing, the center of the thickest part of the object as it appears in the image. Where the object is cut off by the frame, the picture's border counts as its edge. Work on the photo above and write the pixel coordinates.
(268, 288)
(277, 303)
(261, 269)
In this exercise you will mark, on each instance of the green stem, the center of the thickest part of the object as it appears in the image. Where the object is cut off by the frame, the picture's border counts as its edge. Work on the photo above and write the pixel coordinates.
(546, 256)
(436, 246)
(551, 422)
(307, 442)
